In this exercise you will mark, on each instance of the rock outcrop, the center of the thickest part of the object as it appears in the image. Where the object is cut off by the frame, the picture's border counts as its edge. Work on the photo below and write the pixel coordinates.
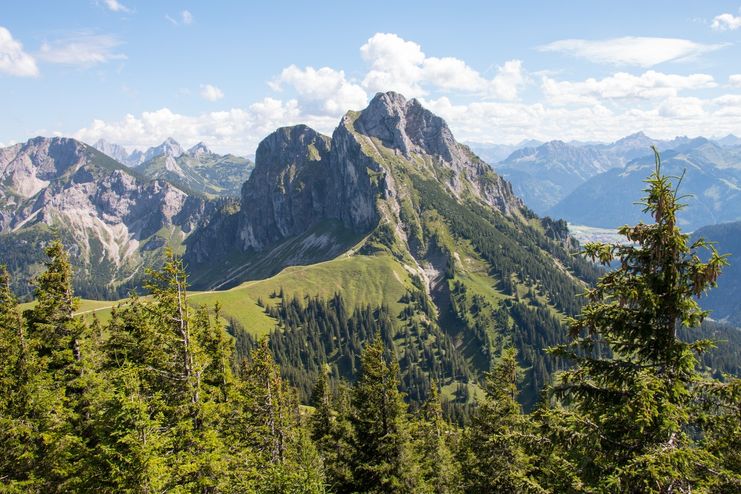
(353, 181)
(102, 211)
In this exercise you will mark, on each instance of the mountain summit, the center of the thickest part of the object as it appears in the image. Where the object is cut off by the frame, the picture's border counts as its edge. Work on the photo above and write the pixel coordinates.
(405, 216)
(353, 181)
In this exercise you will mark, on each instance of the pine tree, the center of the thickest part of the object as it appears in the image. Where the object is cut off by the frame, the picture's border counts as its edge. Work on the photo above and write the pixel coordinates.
(629, 412)
(439, 470)
(20, 382)
(383, 460)
(496, 454)
(57, 338)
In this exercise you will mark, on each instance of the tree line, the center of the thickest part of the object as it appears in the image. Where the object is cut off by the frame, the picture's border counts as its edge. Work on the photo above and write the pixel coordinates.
(155, 400)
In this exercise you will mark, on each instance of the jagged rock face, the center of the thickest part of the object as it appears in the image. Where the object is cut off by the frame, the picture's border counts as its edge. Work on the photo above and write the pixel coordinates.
(168, 148)
(405, 125)
(288, 188)
(115, 151)
(199, 150)
(302, 178)
(97, 205)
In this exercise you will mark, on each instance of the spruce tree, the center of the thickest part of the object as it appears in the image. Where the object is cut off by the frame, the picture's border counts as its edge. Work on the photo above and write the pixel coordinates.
(57, 339)
(383, 460)
(20, 384)
(433, 436)
(496, 446)
(629, 422)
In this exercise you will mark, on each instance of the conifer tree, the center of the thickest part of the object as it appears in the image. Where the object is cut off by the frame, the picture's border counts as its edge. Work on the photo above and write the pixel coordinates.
(433, 437)
(495, 455)
(630, 417)
(19, 382)
(332, 432)
(383, 460)
(56, 338)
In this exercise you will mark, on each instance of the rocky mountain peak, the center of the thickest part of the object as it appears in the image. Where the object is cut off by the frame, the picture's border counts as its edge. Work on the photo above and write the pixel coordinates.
(169, 147)
(287, 190)
(407, 126)
(115, 151)
(199, 149)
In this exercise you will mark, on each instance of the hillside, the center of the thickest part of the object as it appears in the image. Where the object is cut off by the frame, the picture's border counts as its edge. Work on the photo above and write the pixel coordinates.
(198, 170)
(711, 186)
(114, 221)
(465, 259)
(725, 300)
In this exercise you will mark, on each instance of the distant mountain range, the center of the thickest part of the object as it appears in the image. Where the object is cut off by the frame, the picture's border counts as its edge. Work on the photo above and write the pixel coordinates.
(597, 184)
(711, 188)
(197, 170)
(114, 220)
(724, 302)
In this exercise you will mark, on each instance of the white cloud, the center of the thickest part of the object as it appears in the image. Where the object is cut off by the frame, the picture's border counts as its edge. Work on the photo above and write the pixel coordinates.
(237, 130)
(664, 105)
(116, 6)
(622, 85)
(681, 108)
(186, 18)
(510, 77)
(725, 22)
(510, 122)
(13, 60)
(323, 91)
(395, 64)
(82, 49)
(211, 93)
(631, 50)
(400, 65)
(735, 80)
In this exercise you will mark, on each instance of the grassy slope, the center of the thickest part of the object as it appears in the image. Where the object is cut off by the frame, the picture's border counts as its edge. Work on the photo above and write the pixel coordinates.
(360, 279)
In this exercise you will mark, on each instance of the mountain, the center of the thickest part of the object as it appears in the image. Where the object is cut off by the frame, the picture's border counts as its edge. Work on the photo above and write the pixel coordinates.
(197, 170)
(169, 147)
(545, 174)
(394, 216)
(725, 300)
(730, 140)
(712, 184)
(115, 151)
(636, 146)
(115, 222)
(493, 153)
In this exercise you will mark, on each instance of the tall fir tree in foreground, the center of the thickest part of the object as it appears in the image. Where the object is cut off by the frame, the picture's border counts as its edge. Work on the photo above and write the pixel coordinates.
(383, 459)
(629, 426)
(496, 453)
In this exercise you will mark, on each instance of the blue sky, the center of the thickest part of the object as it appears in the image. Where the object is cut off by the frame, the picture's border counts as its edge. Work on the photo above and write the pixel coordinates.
(228, 73)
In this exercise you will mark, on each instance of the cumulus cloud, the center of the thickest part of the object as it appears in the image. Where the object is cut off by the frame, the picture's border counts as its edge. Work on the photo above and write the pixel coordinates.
(510, 122)
(237, 130)
(13, 60)
(631, 50)
(400, 65)
(607, 108)
(622, 85)
(116, 6)
(211, 93)
(82, 49)
(725, 22)
(323, 91)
